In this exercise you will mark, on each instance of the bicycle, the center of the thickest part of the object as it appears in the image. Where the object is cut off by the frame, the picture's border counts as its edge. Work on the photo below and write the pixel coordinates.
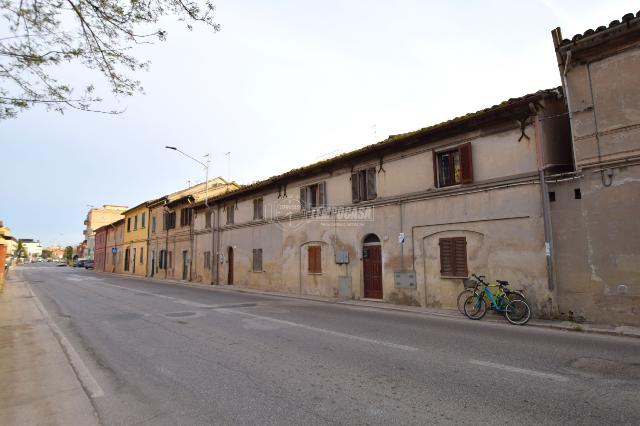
(513, 305)
(469, 287)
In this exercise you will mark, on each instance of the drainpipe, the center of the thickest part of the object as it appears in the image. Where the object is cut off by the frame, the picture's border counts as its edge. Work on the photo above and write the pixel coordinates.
(402, 231)
(546, 208)
(217, 238)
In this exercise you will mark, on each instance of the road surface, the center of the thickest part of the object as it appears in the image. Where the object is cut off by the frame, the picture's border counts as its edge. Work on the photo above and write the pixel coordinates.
(166, 354)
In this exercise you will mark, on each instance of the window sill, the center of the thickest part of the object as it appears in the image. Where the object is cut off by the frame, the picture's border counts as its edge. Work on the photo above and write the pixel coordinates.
(450, 277)
(314, 273)
(257, 272)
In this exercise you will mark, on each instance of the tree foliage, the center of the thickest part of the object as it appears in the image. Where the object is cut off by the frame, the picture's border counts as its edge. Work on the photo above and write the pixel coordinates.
(42, 35)
(21, 250)
(68, 253)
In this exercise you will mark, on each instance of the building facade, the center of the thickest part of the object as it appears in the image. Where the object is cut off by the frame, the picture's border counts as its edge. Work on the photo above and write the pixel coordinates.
(402, 221)
(100, 248)
(172, 241)
(96, 218)
(114, 260)
(596, 207)
(136, 234)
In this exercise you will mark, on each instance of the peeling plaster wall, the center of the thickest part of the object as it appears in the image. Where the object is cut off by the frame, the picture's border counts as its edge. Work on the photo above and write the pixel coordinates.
(597, 247)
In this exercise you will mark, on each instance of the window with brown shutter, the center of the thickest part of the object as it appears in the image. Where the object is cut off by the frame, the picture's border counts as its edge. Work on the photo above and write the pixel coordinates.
(257, 260)
(186, 216)
(315, 259)
(207, 219)
(453, 257)
(230, 214)
(363, 185)
(313, 196)
(453, 167)
(207, 260)
(258, 209)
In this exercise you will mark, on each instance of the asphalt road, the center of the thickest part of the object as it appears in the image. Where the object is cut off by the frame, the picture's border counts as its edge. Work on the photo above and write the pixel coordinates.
(167, 354)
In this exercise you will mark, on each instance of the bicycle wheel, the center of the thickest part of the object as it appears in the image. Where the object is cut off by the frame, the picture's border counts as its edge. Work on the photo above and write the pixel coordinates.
(462, 297)
(518, 312)
(475, 307)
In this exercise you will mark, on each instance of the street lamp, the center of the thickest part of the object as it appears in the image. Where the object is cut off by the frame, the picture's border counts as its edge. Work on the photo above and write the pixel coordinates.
(206, 170)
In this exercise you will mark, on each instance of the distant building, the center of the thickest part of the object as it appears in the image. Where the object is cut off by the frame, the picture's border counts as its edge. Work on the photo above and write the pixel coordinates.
(32, 247)
(96, 218)
(56, 252)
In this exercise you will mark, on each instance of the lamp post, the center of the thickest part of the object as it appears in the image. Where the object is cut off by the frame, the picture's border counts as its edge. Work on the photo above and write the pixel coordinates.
(206, 171)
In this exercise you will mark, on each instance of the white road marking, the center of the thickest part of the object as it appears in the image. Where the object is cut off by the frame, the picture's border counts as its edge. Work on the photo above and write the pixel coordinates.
(323, 330)
(82, 372)
(278, 321)
(511, 369)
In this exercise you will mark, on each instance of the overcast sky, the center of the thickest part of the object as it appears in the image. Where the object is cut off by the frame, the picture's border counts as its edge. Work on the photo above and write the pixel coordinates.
(283, 84)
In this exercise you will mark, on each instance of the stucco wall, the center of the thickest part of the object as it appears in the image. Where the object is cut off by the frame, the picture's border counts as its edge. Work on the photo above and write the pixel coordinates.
(597, 249)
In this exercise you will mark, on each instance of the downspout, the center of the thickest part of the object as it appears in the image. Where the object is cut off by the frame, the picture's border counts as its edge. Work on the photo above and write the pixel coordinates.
(546, 208)
(217, 237)
(401, 231)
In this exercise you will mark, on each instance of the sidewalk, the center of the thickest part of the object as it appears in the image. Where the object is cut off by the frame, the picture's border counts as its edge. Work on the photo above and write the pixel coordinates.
(38, 385)
(614, 330)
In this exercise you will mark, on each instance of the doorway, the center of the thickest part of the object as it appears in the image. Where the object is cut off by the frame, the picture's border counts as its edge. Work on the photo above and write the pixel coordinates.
(133, 262)
(185, 265)
(372, 267)
(153, 262)
(230, 266)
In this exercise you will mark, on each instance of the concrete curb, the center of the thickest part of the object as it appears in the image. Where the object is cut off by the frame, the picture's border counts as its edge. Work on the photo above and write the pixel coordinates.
(612, 330)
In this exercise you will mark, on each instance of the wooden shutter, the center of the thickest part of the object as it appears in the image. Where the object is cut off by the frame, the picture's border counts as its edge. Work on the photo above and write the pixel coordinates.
(453, 257)
(435, 169)
(303, 198)
(322, 194)
(257, 260)
(446, 257)
(355, 194)
(315, 259)
(466, 163)
(371, 183)
(460, 257)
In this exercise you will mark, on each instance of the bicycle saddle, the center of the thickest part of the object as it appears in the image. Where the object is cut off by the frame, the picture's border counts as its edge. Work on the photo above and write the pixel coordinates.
(502, 282)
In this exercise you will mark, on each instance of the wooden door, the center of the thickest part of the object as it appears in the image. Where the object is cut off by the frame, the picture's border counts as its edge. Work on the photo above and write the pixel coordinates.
(185, 265)
(230, 266)
(372, 268)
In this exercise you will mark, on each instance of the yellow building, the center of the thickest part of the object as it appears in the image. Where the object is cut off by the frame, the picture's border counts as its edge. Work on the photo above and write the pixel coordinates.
(136, 233)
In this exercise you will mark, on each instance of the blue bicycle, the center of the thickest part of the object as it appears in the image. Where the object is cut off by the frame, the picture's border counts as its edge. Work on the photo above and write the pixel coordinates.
(512, 305)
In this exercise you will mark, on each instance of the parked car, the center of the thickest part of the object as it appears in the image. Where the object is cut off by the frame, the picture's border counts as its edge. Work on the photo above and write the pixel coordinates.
(88, 264)
(80, 263)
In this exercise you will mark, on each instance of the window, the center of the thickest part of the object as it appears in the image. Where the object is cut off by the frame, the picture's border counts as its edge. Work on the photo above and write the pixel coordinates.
(169, 262)
(141, 255)
(453, 167)
(552, 196)
(453, 257)
(135, 222)
(257, 260)
(153, 225)
(577, 194)
(258, 210)
(207, 260)
(363, 185)
(315, 259)
(126, 260)
(207, 219)
(128, 224)
(186, 215)
(169, 220)
(230, 212)
(313, 196)
(162, 261)
(144, 220)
